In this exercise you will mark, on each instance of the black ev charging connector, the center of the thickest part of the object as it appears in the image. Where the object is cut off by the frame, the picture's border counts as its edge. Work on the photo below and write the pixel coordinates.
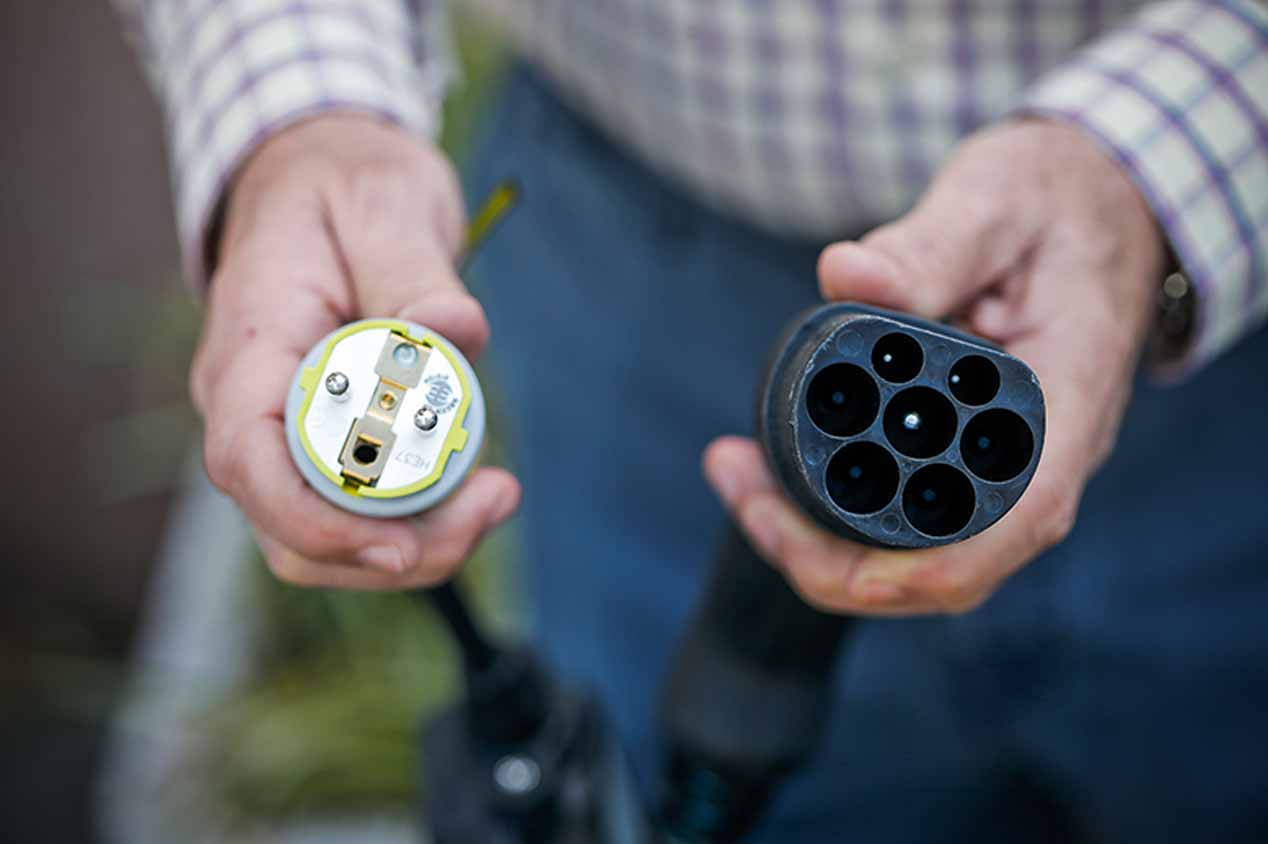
(888, 430)
(897, 432)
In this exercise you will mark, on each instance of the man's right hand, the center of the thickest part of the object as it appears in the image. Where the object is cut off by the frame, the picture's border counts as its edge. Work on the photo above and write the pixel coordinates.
(332, 220)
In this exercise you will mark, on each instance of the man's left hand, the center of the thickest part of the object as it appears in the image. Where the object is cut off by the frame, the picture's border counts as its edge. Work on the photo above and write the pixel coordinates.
(1032, 237)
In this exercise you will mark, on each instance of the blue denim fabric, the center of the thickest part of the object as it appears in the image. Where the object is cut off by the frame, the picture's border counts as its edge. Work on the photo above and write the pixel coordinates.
(1115, 690)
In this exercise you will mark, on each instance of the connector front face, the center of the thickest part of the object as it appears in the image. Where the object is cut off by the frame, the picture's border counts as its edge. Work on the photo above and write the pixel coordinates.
(381, 412)
(897, 432)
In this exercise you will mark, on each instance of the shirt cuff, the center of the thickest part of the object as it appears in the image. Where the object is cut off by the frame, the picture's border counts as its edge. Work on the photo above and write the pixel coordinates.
(1179, 97)
(234, 72)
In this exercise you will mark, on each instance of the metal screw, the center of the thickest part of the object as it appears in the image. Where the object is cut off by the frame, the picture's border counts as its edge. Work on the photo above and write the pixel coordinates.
(1175, 286)
(337, 385)
(517, 774)
(426, 419)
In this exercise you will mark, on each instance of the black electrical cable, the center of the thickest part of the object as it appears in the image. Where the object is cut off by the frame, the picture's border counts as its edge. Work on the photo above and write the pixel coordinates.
(508, 692)
(747, 697)
(478, 653)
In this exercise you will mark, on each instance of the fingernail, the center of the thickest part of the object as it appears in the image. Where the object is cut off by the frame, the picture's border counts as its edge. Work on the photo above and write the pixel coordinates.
(503, 509)
(761, 522)
(878, 592)
(725, 482)
(384, 557)
(865, 260)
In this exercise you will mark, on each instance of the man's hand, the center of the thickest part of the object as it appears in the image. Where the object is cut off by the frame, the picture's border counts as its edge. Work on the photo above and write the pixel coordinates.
(1030, 236)
(334, 219)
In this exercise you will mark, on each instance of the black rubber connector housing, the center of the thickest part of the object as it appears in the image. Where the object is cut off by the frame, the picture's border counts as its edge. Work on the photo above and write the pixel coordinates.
(897, 432)
(750, 689)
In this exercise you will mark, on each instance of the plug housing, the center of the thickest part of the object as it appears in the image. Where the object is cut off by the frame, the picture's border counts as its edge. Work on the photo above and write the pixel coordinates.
(384, 417)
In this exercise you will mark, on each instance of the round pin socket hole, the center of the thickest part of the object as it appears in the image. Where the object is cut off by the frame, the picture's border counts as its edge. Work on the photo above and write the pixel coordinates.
(862, 477)
(973, 380)
(920, 422)
(365, 453)
(897, 357)
(405, 354)
(938, 500)
(842, 400)
(997, 445)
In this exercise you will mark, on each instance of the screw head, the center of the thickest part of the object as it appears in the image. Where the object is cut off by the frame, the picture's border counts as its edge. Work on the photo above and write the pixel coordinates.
(337, 384)
(426, 419)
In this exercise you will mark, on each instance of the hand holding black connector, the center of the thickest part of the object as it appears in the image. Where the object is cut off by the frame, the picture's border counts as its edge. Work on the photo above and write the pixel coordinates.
(889, 431)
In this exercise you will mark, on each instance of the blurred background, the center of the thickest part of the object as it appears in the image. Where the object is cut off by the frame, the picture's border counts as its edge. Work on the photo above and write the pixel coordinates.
(158, 685)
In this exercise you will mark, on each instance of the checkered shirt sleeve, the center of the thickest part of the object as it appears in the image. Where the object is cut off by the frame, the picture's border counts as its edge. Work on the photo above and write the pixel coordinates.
(232, 72)
(1179, 96)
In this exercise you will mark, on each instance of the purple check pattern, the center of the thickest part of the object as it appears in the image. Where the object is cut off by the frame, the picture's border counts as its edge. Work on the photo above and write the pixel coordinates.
(807, 117)
(1180, 98)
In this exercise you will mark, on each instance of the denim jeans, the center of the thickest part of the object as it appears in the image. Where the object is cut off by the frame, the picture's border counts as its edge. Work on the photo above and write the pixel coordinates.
(1115, 689)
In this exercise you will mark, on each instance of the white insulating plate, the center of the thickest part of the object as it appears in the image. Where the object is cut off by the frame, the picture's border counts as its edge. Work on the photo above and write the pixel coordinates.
(414, 454)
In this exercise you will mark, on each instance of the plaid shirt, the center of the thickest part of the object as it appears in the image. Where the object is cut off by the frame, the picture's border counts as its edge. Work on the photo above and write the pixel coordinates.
(812, 117)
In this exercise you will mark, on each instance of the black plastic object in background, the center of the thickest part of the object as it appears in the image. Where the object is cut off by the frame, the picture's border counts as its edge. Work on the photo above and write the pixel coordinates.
(522, 759)
(747, 697)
